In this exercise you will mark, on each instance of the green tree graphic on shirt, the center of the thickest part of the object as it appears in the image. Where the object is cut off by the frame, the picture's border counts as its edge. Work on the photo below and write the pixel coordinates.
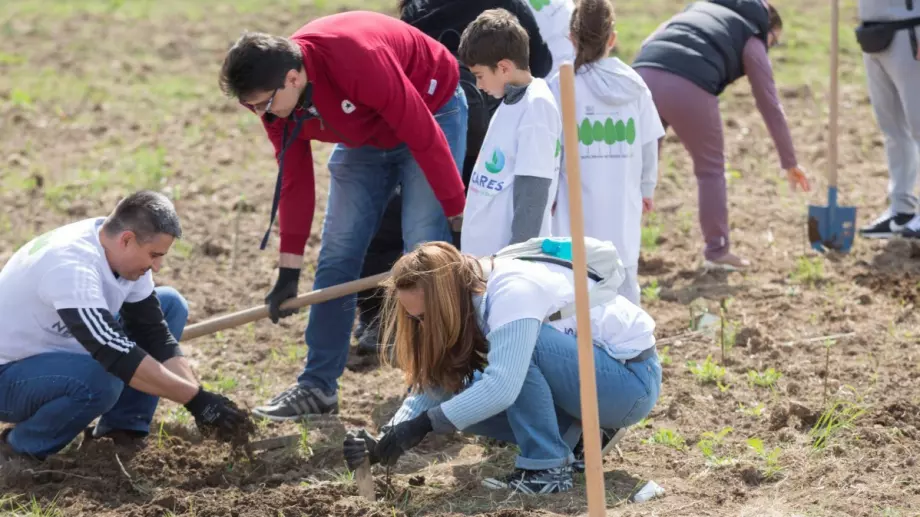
(539, 4)
(40, 242)
(607, 132)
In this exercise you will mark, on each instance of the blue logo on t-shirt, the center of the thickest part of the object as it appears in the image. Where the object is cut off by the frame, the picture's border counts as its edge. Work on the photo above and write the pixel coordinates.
(497, 163)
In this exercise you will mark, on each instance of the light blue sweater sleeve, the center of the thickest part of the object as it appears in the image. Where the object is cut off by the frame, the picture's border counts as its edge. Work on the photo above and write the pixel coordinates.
(415, 405)
(510, 349)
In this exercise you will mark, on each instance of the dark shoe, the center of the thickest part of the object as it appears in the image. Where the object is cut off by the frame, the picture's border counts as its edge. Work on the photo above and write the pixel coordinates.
(885, 226)
(298, 402)
(547, 481)
(609, 439)
(369, 340)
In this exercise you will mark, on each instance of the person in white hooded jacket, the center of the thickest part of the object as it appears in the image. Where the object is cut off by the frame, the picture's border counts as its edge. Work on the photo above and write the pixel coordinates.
(618, 133)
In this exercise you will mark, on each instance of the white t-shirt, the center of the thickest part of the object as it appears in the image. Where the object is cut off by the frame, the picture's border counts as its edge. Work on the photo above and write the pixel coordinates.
(62, 269)
(616, 117)
(518, 289)
(553, 19)
(523, 139)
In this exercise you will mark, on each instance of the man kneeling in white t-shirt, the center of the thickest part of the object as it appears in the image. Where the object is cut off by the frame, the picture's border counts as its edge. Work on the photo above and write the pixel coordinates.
(83, 334)
(513, 183)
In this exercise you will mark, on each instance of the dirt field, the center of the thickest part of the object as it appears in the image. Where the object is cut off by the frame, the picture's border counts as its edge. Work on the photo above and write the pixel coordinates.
(100, 97)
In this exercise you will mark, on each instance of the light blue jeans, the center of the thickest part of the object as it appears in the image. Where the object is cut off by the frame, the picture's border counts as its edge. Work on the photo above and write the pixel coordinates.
(52, 397)
(545, 420)
(362, 181)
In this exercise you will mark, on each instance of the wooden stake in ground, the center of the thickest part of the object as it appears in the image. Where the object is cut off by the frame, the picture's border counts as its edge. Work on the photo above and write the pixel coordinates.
(261, 311)
(594, 472)
(365, 481)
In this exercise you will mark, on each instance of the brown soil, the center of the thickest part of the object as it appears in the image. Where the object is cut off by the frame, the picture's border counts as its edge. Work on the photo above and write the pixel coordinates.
(128, 86)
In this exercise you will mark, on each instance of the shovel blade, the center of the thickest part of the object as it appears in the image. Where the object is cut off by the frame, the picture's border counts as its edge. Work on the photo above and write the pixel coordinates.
(831, 227)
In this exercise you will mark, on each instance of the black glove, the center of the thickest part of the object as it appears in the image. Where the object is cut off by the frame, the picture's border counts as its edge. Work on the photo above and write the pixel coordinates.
(217, 415)
(403, 437)
(285, 287)
(357, 446)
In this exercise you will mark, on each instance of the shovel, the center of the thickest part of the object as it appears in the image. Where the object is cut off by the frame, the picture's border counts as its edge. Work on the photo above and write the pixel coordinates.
(832, 226)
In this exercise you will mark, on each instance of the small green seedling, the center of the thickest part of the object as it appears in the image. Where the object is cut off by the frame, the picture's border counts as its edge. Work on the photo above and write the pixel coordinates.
(642, 424)
(727, 329)
(221, 383)
(303, 444)
(296, 353)
(808, 271)
(162, 436)
(667, 437)
(707, 373)
(664, 356)
(262, 424)
(770, 459)
(835, 419)
(709, 443)
(754, 411)
(651, 292)
(651, 232)
(765, 379)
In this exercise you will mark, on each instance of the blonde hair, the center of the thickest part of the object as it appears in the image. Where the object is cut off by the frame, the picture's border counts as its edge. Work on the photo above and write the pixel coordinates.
(447, 345)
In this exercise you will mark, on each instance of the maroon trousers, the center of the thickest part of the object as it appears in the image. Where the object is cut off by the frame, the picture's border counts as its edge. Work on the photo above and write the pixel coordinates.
(694, 115)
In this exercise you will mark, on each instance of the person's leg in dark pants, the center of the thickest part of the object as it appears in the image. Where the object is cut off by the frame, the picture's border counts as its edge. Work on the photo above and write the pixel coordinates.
(384, 250)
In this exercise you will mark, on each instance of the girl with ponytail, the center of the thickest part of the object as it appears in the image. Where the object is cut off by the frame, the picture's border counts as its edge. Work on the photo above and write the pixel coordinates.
(618, 132)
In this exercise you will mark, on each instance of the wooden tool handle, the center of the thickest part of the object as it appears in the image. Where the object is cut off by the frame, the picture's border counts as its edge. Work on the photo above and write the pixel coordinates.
(834, 96)
(594, 473)
(365, 481)
(261, 311)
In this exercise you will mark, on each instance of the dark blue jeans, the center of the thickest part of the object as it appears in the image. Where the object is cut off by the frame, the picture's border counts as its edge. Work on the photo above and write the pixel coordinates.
(361, 184)
(52, 397)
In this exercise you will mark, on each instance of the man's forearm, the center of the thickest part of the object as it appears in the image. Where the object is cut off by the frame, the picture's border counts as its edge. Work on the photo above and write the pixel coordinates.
(179, 366)
(156, 379)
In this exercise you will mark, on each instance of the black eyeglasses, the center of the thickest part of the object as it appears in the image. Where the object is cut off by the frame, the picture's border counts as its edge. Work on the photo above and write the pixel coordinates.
(267, 105)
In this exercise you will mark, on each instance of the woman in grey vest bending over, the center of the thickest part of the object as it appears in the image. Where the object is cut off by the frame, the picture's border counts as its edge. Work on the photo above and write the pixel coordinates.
(687, 63)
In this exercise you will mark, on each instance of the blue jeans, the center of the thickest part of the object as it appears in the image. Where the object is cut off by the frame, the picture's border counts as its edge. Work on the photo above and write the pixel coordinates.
(545, 420)
(52, 397)
(362, 181)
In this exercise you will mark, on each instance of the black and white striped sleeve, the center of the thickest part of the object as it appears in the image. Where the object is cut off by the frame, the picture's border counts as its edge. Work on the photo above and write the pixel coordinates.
(144, 323)
(102, 336)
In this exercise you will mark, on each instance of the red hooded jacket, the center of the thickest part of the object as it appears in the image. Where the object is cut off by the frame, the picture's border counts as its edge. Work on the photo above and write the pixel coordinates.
(376, 81)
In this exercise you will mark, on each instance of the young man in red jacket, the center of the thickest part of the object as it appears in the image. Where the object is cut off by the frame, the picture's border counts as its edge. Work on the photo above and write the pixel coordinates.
(387, 95)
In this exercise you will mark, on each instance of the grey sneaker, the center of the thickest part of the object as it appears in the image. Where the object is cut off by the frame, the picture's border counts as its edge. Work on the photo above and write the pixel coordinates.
(277, 398)
(609, 439)
(298, 402)
(547, 481)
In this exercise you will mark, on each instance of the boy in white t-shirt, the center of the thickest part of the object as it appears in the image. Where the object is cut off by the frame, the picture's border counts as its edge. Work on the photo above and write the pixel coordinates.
(514, 180)
(84, 334)
(618, 132)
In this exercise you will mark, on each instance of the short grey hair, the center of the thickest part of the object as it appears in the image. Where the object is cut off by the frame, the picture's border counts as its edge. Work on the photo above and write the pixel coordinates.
(147, 214)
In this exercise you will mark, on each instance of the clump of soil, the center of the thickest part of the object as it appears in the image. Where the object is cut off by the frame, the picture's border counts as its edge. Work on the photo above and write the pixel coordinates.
(322, 499)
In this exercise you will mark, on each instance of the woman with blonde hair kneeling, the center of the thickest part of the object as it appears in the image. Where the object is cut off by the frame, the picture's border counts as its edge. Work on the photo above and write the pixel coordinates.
(481, 355)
